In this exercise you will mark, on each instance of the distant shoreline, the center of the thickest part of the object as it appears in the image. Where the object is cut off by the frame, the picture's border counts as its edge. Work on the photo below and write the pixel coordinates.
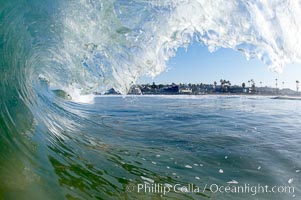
(205, 89)
(279, 96)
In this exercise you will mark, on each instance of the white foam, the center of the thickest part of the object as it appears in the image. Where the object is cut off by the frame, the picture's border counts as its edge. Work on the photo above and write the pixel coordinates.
(113, 43)
(76, 96)
(147, 179)
(232, 182)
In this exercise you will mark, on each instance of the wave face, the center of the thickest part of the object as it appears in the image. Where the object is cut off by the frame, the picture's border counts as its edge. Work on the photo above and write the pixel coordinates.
(95, 45)
(79, 47)
(112, 43)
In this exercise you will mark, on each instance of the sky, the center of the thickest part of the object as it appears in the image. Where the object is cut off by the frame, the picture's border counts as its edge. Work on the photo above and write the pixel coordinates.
(198, 65)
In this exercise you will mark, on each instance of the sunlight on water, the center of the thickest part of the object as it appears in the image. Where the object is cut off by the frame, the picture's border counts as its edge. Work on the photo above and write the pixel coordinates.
(60, 142)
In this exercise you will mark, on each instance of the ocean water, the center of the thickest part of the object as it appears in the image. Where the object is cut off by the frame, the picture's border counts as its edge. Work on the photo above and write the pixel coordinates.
(117, 143)
(57, 141)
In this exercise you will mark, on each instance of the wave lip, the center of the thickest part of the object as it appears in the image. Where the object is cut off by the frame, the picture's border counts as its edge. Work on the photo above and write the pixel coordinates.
(118, 42)
(94, 46)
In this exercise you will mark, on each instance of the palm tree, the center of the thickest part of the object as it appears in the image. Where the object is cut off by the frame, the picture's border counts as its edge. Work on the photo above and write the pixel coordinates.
(283, 84)
(297, 85)
(222, 85)
(154, 85)
(228, 85)
(260, 86)
(276, 85)
(253, 86)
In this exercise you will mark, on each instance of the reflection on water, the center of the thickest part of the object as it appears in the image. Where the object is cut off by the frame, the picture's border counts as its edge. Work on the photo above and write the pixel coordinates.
(98, 151)
(207, 140)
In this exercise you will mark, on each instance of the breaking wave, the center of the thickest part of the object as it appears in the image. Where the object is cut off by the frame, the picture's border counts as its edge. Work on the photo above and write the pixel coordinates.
(71, 49)
(95, 45)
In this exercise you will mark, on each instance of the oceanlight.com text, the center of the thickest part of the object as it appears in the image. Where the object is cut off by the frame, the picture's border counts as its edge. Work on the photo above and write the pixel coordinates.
(163, 189)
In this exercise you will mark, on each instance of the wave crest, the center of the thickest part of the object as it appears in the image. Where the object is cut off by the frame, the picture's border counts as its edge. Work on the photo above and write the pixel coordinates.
(112, 43)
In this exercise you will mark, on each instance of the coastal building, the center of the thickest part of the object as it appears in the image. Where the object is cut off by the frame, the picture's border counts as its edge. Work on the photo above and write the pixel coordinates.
(201, 89)
(185, 91)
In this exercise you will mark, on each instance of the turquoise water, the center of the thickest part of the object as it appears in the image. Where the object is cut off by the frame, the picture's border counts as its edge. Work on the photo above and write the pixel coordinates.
(118, 142)
(59, 142)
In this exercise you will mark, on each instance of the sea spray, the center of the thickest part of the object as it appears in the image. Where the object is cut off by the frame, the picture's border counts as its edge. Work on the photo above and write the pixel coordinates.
(113, 43)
